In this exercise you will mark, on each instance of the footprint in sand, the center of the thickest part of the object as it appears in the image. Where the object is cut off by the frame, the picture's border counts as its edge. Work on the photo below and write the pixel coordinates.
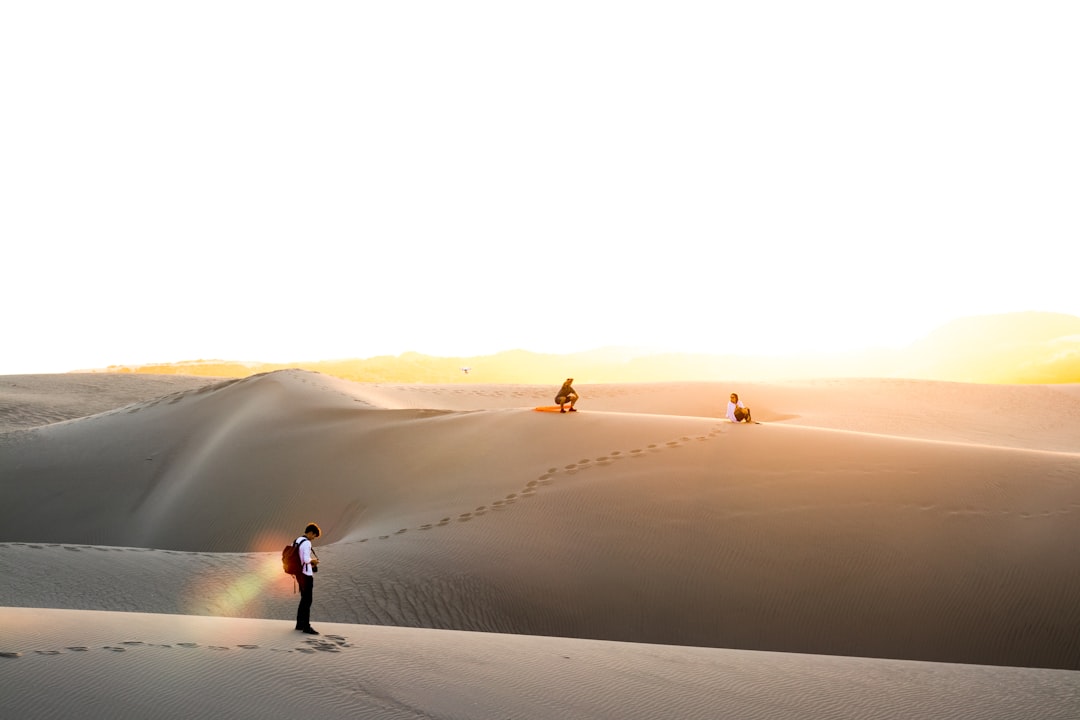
(188, 645)
(78, 648)
(546, 479)
(10, 654)
(46, 652)
(114, 649)
(248, 647)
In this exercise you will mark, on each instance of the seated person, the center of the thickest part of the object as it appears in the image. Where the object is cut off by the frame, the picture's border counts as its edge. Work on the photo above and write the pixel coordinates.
(736, 411)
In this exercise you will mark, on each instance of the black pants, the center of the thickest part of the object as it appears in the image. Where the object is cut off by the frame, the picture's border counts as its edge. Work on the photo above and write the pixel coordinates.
(303, 611)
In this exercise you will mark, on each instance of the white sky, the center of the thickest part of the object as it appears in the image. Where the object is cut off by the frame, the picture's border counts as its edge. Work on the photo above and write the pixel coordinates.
(301, 181)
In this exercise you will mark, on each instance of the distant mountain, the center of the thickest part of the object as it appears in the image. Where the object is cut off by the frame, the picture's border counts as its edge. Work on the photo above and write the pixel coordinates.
(1025, 347)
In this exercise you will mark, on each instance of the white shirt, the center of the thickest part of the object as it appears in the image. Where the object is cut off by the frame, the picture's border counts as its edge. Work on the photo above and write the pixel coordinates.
(305, 554)
(731, 410)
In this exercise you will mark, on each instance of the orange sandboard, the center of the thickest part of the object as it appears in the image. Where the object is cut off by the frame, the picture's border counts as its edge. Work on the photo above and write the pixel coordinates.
(549, 408)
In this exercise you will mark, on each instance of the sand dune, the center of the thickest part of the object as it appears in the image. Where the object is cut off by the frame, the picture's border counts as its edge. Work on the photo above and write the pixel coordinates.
(32, 400)
(852, 522)
(133, 665)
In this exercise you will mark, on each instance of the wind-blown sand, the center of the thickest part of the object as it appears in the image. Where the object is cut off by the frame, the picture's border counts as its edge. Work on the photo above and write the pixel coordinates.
(679, 565)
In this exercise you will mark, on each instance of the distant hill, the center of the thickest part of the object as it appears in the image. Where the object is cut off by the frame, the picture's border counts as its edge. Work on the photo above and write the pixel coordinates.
(1026, 347)
(520, 366)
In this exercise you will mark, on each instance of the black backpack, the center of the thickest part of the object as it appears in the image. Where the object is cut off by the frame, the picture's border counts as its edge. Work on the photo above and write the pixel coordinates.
(290, 558)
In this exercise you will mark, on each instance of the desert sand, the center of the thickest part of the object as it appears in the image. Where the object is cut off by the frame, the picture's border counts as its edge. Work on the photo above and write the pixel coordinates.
(872, 549)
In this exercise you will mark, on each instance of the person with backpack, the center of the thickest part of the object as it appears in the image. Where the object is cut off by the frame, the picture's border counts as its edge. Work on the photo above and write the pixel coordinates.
(309, 565)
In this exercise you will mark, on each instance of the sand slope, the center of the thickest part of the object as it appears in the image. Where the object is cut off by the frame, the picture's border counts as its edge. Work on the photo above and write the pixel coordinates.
(32, 400)
(63, 663)
(836, 527)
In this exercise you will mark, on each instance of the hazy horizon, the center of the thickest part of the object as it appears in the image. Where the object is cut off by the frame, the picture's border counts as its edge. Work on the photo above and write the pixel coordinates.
(1011, 348)
(258, 181)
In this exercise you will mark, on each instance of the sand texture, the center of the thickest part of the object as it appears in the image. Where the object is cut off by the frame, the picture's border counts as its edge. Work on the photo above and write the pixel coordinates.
(872, 549)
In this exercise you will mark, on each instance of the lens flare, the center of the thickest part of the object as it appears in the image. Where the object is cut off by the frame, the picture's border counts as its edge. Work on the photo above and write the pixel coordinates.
(236, 586)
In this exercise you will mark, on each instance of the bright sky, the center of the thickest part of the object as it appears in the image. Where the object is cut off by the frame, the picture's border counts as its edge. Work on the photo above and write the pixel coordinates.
(301, 181)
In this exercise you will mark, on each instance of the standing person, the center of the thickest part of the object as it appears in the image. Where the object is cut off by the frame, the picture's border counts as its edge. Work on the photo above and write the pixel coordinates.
(309, 564)
(736, 411)
(565, 395)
